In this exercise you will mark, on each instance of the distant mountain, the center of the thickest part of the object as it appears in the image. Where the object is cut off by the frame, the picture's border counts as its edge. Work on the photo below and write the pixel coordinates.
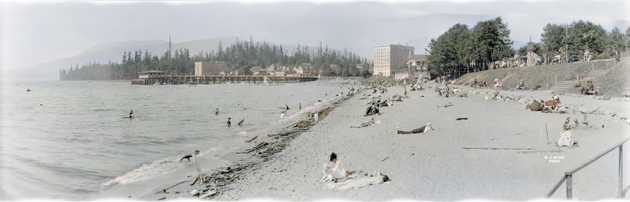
(112, 53)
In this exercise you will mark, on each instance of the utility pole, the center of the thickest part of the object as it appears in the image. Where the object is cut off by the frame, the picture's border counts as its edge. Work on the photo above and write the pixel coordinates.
(169, 46)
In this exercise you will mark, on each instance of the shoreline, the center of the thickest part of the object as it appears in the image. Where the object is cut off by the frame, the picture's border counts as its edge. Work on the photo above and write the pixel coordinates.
(460, 159)
(259, 148)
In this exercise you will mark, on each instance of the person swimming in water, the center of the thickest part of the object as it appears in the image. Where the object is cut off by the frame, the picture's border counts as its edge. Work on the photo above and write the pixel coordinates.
(187, 157)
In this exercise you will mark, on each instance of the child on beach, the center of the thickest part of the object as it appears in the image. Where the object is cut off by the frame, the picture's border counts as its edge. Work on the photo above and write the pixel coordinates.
(566, 138)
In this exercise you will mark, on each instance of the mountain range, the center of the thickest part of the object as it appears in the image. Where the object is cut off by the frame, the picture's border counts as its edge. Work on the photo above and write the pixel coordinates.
(113, 53)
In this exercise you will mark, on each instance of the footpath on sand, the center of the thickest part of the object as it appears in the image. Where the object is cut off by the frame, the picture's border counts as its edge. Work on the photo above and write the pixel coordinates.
(500, 151)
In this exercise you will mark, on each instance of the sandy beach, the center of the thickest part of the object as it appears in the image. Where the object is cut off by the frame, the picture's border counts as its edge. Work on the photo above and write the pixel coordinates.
(501, 151)
(436, 166)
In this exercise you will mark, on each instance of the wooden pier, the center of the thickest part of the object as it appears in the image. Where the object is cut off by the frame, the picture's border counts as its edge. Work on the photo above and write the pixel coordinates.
(218, 79)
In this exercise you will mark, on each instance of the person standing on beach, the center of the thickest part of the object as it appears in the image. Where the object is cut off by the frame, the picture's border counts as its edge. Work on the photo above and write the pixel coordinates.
(229, 122)
(131, 114)
(196, 162)
(405, 92)
(198, 177)
(216, 111)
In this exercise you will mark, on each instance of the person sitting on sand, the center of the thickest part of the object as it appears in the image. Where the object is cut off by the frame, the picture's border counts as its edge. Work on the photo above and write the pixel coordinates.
(498, 84)
(535, 105)
(521, 85)
(384, 103)
(365, 124)
(552, 105)
(337, 178)
(566, 138)
(372, 109)
(333, 170)
(424, 129)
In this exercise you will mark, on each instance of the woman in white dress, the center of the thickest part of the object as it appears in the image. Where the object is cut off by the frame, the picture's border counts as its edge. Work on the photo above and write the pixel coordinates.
(333, 170)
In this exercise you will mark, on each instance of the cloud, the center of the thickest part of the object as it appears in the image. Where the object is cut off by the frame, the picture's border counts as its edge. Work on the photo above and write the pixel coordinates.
(38, 32)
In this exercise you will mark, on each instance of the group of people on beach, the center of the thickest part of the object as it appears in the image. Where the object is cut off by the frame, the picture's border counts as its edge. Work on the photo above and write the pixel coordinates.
(552, 105)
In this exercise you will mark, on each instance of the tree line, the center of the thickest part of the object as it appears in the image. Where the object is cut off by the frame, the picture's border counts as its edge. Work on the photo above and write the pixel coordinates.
(239, 57)
(462, 49)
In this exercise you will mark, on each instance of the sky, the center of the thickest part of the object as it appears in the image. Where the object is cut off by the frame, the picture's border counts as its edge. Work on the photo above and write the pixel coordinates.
(34, 32)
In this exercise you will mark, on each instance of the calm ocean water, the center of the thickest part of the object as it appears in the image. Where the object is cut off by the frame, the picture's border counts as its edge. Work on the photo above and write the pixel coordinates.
(67, 139)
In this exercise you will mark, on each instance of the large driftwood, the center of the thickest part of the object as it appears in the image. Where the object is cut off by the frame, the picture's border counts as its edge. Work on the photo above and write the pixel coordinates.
(257, 147)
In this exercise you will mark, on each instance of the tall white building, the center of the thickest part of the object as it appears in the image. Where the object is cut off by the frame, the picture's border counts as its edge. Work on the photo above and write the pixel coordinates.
(199, 69)
(391, 58)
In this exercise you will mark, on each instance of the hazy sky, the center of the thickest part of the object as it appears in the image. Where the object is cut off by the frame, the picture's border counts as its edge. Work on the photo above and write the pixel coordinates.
(36, 32)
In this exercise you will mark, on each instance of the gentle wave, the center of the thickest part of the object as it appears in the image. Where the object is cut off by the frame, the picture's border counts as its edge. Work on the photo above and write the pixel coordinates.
(153, 169)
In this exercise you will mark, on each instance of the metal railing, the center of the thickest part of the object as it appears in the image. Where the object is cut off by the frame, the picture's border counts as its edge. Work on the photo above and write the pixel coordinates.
(568, 176)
